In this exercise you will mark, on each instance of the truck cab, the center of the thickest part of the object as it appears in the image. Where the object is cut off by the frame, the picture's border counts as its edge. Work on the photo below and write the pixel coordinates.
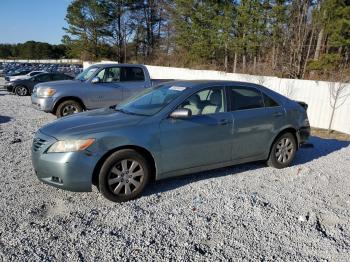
(98, 86)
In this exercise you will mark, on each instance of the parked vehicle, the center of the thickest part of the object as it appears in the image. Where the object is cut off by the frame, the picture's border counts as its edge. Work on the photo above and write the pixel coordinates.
(23, 87)
(9, 68)
(16, 73)
(98, 86)
(173, 129)
(29, 75)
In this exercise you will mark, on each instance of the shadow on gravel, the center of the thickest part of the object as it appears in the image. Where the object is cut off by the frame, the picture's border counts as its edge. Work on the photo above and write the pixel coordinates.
(321, 147)
(176, 182)
(4, 119)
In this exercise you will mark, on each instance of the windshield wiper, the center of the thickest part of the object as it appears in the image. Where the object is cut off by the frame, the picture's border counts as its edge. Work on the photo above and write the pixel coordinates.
(128, 112)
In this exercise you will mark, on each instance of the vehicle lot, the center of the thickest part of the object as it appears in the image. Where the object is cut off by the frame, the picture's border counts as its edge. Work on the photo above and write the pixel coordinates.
(247, 212)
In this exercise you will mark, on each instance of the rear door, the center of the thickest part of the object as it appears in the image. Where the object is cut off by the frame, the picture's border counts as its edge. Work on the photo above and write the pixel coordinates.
(107, 91)
(254, 123)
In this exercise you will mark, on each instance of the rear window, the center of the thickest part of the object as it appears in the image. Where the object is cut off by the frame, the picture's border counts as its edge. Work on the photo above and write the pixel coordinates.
(132, 74)
(269, 102)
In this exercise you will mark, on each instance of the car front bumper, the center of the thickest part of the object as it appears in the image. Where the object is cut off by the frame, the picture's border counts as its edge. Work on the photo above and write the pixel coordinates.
(71, 171)
(45, 104)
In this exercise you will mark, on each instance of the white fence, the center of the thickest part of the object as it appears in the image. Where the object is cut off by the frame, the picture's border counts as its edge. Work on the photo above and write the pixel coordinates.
(315, 93)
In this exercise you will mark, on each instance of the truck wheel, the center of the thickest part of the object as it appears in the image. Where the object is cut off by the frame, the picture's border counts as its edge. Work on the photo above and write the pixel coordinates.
(123, 176)
(68, 107)
(283, 151)
(21, 91)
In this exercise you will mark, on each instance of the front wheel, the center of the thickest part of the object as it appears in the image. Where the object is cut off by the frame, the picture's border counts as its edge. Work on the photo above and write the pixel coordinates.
(283, 151)
(123, 176)
(68, 107)
(21, 91)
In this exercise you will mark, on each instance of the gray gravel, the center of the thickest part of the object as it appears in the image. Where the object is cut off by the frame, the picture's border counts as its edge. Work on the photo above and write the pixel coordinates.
(247, 212)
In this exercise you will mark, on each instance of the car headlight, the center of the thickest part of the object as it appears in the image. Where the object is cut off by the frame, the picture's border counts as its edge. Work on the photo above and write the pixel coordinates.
(70, 145)
(45, 92)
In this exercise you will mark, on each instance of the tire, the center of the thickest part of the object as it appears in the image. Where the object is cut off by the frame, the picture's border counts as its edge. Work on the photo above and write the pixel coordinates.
(123, 176)
(21, 91)
(68, 107)
(282, 151)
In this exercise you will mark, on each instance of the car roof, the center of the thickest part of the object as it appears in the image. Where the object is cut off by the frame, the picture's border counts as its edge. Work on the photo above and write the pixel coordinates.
(204, 83)
(116, 64)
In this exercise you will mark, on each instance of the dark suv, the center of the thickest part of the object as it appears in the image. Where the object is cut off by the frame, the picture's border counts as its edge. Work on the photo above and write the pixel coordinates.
(23, 87)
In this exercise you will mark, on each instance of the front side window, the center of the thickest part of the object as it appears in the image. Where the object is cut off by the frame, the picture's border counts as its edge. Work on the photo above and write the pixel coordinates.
(109, 75)
(86, 74)
(205, 102)
(242, 98)
(151, 100)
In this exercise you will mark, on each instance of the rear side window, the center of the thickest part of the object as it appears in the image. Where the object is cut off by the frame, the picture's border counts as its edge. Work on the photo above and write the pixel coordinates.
(244, 98)
(132, 74)
(269, 102)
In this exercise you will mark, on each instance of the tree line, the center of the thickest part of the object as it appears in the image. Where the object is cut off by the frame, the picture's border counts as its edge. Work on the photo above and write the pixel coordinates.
(286, 38)
(33, 50)
(290, 38)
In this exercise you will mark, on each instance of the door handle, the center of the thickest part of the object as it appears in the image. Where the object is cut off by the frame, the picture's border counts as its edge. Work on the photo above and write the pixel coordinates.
(223, 122)
(278, 114)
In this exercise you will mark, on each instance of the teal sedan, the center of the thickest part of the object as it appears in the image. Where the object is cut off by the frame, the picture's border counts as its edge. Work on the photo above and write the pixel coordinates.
(173, 129)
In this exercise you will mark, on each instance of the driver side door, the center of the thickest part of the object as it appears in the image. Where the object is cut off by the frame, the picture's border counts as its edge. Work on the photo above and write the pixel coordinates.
(201, 140)
(107, 91)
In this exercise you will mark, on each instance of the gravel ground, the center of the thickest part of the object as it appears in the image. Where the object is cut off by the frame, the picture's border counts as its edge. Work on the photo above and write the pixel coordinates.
(247, 212)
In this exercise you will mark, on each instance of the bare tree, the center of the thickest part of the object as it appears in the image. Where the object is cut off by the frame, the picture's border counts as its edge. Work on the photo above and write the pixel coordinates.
(261, 80)
(289, 89)
(338, 94)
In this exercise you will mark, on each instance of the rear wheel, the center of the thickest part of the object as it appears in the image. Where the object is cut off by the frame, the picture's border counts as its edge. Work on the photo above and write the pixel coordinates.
(123, 176)
(21, 91)
(283, 151)
(68, 107)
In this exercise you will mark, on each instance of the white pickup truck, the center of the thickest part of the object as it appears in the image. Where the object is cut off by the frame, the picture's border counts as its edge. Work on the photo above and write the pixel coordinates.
(98, 86)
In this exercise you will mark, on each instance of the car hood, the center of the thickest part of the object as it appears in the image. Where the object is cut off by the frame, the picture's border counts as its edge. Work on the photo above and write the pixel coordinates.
(61, 83)
(89, 122)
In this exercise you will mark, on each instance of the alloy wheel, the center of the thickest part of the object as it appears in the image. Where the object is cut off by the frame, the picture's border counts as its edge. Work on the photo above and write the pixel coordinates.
(69, 110)
(125, 177)
(284, 150)
(21, 91)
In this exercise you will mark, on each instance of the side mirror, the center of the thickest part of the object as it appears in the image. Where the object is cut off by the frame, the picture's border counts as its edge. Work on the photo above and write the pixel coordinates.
(95, 80)
(181, 113)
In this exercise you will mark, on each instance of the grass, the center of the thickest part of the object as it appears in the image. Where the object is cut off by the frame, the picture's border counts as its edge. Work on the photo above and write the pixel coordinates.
(323, 133)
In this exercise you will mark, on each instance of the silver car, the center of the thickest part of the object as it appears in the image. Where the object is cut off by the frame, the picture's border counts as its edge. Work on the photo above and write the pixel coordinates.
(98, 86)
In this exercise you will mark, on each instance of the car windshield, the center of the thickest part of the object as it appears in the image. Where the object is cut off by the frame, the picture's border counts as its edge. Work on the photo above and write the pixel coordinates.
(151, 101)
(86, 74)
